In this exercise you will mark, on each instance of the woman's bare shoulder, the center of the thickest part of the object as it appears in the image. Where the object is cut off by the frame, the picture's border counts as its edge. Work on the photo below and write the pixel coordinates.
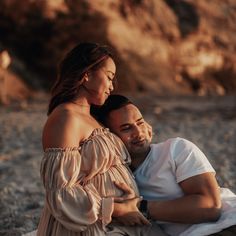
(63, 128)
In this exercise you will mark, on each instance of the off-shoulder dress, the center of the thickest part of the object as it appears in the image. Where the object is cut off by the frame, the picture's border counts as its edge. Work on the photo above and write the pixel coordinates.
(79, 185)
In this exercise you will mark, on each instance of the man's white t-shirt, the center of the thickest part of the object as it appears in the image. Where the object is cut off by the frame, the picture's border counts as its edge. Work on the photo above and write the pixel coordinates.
(167, 164)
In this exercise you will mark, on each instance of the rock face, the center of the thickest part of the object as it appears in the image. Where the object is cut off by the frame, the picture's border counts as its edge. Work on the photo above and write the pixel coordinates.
(168, 47)
(11, 86)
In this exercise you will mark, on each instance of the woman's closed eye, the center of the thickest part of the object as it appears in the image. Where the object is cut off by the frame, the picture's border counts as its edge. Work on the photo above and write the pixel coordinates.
(110, 79)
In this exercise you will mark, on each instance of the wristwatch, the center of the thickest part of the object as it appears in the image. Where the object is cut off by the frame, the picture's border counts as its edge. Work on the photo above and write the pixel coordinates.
(143, 207)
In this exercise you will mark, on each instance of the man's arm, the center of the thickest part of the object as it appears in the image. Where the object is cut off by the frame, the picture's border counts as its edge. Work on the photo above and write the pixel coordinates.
(201, 202)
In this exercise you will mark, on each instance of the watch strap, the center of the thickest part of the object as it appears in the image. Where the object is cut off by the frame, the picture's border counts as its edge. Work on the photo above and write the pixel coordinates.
(143, 206)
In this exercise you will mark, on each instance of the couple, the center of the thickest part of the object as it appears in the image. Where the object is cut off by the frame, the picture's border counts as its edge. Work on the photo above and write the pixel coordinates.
(89, 190)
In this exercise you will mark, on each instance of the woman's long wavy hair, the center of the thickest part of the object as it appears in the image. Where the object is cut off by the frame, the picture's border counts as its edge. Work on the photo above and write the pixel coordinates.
(82, 58)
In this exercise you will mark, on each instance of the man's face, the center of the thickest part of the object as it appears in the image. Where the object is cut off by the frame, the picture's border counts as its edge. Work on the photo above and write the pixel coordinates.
(128, 123)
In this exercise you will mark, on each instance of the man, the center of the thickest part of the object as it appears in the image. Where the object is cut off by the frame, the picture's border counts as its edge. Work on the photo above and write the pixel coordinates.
(174, 177)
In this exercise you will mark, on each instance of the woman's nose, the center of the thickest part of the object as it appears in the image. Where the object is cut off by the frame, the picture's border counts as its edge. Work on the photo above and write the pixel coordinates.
(111, 88)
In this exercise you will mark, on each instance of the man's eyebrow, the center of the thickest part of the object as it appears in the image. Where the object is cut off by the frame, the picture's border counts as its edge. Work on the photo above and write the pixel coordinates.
(127, 124)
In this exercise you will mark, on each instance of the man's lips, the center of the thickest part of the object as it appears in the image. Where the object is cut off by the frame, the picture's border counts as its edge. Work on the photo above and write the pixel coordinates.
(139, 142)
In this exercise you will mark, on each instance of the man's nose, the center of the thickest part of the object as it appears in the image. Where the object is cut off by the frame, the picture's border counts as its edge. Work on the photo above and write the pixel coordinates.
(136, 131)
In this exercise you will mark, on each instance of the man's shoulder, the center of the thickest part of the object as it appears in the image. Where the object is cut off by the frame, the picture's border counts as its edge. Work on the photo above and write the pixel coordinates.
(174, 146)
(170, 142)
(180, 142)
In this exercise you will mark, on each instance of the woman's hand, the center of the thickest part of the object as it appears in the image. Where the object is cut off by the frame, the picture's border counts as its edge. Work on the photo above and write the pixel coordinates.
(127, 212)
(128, 192)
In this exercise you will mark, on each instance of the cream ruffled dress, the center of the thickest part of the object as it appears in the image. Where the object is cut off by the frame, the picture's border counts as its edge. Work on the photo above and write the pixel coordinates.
(79, 185)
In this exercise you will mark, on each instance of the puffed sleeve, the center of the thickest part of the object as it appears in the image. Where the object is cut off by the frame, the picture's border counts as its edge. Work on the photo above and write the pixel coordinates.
(73, 205)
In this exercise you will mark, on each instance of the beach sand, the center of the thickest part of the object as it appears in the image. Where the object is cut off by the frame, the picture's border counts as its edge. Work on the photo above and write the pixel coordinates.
(208, 122)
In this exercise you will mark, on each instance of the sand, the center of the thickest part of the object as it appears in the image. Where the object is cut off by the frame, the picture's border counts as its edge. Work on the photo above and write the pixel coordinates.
(208, 122)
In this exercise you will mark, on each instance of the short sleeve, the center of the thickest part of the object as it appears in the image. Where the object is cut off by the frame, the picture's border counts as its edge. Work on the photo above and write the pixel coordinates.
(188, 160)
(75, 206)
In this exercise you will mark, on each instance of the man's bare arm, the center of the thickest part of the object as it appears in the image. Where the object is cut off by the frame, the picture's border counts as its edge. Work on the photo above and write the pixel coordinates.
(201, 202)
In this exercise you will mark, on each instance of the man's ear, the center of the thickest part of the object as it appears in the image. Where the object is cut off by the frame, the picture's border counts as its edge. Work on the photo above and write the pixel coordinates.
(149, 128)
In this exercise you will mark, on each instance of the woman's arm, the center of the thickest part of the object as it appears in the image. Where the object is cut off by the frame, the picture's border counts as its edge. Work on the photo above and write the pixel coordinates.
(75, 206)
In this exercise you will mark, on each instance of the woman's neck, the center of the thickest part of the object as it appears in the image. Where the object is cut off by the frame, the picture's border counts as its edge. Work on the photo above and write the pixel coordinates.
(82, 105)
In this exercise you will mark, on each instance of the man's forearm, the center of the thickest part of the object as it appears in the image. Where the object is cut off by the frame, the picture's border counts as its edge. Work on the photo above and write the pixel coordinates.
(187, 209)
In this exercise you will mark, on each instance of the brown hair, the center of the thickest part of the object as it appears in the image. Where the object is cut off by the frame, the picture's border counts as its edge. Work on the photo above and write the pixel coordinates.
(78, 61)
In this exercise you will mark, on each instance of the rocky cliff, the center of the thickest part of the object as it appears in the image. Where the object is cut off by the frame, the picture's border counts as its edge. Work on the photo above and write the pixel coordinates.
(168, 47)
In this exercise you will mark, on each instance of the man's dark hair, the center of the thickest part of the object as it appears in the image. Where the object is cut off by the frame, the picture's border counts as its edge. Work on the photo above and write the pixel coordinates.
(113, 102)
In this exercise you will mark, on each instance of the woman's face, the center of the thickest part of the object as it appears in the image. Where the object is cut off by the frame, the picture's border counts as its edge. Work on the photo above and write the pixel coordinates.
(100, 82)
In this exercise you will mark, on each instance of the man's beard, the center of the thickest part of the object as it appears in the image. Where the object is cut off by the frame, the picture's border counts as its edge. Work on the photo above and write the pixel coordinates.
(137, 150)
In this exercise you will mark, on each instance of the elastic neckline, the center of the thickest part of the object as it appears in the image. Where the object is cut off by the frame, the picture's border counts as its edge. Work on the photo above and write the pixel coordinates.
(94, 133)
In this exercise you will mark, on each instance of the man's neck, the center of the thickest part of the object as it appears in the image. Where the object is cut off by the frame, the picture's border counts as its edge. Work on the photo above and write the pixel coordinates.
(138, 159)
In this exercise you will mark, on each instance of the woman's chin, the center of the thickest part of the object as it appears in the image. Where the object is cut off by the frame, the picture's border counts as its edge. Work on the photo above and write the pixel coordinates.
(99, 102)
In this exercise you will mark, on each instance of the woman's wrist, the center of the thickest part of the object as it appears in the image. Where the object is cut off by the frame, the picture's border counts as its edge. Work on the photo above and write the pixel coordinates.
(117, 210)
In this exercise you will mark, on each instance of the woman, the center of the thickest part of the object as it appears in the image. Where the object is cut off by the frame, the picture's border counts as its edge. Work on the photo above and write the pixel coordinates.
(82, 160)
